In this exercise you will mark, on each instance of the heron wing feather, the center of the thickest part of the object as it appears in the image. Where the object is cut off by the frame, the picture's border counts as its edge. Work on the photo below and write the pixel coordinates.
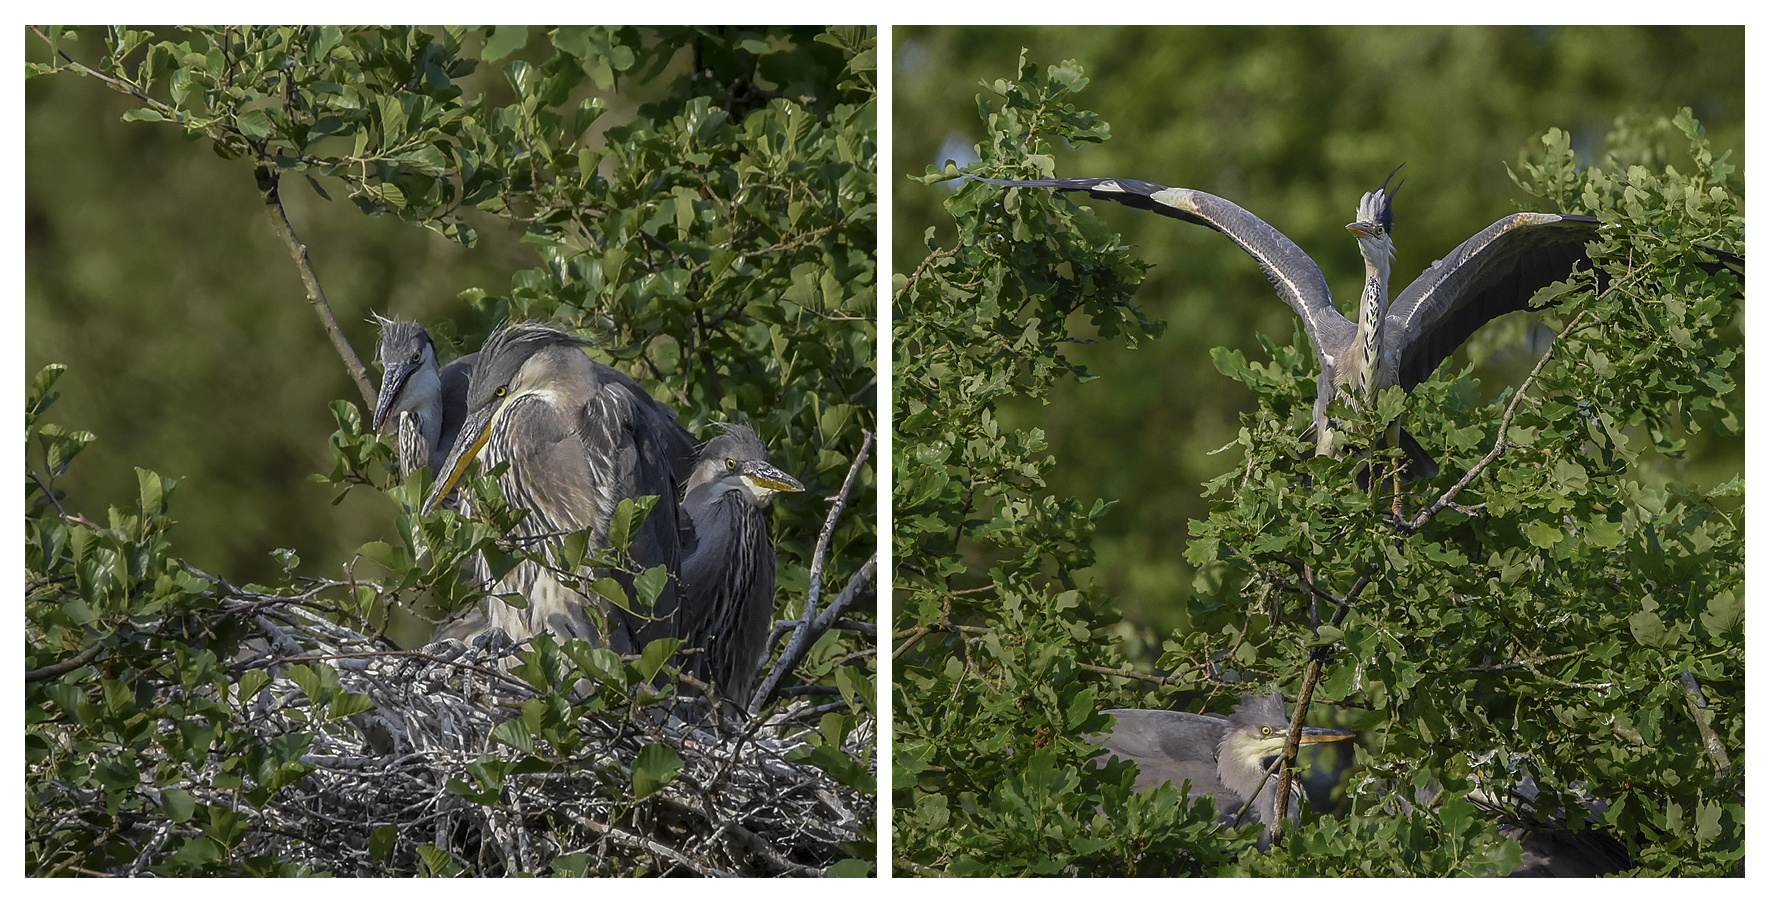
(1293, 274)
(1495, 272)
(1171, 746)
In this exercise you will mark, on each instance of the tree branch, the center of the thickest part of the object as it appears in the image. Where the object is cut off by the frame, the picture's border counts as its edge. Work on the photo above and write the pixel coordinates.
(1291, 743)
(861, 587)
(821, 553)
(279, 222)
(81, 659)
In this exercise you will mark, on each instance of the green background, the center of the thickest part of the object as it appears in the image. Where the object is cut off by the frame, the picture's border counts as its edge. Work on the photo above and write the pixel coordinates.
(151, 271)
(1293, 124)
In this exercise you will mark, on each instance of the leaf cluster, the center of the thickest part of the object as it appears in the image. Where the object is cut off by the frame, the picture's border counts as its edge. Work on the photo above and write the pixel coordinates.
(1514, 622)
(719, 245)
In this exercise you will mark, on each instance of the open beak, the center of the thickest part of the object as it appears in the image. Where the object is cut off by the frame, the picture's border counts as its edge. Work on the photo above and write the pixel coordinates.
(764, 479)
(472, 438)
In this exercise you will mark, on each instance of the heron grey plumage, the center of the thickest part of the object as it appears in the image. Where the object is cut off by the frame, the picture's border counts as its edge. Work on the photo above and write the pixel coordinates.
(1494, 272)
(427, 401)
(579, 437)
(728, 572)
(1223, 757)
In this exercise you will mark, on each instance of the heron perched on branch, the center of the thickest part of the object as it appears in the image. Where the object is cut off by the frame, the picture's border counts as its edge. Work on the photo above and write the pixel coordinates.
(728, 570)
(426, 401)
(579, 437)
(1229, 758)
(1494, 272)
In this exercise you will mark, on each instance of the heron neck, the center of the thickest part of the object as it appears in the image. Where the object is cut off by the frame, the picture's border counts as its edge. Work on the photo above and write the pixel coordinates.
(1373, 307)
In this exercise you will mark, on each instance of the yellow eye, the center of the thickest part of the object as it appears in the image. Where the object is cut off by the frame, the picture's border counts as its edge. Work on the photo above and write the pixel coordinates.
(1266, 732)
(730, 464)
(501, 391)
(417, 357)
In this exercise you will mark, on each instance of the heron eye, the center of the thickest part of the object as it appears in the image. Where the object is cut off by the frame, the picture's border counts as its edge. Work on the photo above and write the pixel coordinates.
(730, 464)
(1266, 731)
(501, 391)
(417, 356)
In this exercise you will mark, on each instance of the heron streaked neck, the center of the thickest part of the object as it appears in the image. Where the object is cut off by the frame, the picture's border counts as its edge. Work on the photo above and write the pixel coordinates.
(1373, 308)
(422, 396)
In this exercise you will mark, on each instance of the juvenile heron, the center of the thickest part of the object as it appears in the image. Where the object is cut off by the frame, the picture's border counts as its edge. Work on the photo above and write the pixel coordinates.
(1226, 758)
(728, 571)
(1494, 272)
(426, 401)
(579, 437)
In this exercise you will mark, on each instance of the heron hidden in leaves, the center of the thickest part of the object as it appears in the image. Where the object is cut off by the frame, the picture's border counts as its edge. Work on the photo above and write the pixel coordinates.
(1494, 272)
(579, 437)
(728, 569)
(1229, 758)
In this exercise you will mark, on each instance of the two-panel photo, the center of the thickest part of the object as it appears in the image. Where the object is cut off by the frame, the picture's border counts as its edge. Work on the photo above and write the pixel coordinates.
(566, 451)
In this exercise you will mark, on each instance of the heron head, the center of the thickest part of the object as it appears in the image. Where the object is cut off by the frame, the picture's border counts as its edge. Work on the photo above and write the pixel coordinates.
(1257, 731)
(737, 462)
(1376, 222)
(516, 360)
(408, 361)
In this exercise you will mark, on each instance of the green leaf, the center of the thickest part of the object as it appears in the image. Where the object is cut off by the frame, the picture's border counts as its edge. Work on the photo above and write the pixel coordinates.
(179, 804)
(657, 652)
(1647, 628)
(850, 868)
(654, 768)
(504, 40)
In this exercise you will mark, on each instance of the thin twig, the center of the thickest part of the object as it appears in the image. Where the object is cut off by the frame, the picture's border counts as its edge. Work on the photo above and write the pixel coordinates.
(48, 672)
(1500, 444)
(266, 174)
(1699, 712)
(1138, 675)
(859, 588)
(837, 504)
(1291, 743)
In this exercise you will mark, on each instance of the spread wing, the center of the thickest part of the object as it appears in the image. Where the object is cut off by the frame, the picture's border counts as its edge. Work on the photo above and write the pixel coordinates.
(1495, 272)
(1293, 274)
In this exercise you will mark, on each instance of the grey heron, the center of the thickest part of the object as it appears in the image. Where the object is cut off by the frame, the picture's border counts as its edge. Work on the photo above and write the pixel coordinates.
(428, 402)
(1224, 757)
(1494, 272)
(728, 571)
(579, 437)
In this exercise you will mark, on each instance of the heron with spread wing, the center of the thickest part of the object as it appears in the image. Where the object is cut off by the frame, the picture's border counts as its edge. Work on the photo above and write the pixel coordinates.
(1494, 272)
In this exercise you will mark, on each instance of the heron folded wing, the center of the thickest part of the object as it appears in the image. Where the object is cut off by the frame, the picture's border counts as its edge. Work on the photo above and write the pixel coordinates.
(1171, 746)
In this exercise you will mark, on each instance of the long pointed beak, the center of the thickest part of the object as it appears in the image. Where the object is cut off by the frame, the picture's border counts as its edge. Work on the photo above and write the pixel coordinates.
(1323, 735)
(764, 479)
(1362, 230)
(471, 439)
(393, 382)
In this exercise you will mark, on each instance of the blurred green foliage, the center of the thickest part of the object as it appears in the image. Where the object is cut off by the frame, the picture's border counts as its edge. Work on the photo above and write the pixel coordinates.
(1292, 123)
(715, 234)
(1550, 620)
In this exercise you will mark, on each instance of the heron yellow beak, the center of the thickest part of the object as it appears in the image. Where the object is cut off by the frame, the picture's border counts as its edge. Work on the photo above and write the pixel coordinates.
(1362, 230)
(472, 438)
(1323, 735)
(764, 479)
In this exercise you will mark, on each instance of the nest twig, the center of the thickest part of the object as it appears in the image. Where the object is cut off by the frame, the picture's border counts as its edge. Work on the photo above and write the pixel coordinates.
(740, 805)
